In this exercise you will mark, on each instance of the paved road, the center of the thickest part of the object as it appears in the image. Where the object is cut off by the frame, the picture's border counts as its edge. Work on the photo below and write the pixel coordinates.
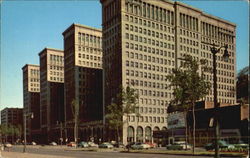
(61, 152)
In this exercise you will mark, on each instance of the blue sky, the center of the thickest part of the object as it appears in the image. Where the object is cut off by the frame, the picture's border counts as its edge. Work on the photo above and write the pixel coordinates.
(29, 26)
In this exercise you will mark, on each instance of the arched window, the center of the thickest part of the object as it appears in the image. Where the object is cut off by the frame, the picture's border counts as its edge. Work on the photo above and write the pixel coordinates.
(130, 137)
(139, 136)
(148, 134)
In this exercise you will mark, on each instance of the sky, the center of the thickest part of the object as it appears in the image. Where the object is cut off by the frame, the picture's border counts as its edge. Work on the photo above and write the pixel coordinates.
(27, 27)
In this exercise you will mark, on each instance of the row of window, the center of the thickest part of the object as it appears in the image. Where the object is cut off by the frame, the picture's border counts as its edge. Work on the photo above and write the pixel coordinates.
(208, 48)
(91, 57)
(187, 49)
(145, 92)
(188, 22)
(34, 80)
(149, 66)
(56, 67)
(140, 56)
(149, 76)
(220, 79)
(216, 42)
(91, 64)
(147, 119)
(149, 58)
(153, 76)
(147, 32)
(56, 73)
(35, 89)
(56, 58)
(148, 49)
(150, 11)
(156, 102)
(89, 39)
(220, 100)
(217, 32)
(34, 72)
(189, 41)
(150, 24)
(35, 85)
(59, 79)
(90, 50)
(225, 73)
(188, 34)
(147, 41)
(152, 110)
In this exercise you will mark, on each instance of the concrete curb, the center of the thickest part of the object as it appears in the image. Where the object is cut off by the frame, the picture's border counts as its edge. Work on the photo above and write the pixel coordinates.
(187, 154)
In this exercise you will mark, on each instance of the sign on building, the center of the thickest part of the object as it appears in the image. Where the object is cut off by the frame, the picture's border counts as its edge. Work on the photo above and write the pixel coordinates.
(176, 120)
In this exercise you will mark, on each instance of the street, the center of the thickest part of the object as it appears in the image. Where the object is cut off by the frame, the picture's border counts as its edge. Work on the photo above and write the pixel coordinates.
(64, 152)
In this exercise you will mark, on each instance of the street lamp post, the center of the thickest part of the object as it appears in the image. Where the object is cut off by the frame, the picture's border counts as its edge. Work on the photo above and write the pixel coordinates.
(215, 50)
(25, 118)
(59, 123)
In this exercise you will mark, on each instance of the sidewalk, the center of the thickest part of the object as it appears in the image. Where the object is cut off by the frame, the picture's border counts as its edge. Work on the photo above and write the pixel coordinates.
(6, 154)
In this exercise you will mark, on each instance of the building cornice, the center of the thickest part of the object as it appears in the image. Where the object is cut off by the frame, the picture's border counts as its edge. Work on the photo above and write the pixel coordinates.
(81, 26)
(32, 65)
(50, 49)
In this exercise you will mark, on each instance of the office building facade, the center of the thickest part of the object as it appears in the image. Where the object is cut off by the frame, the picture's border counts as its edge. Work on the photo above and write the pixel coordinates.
(83, 80)
(31, 100)
(143, 40)
(12, 116)
(51, 93)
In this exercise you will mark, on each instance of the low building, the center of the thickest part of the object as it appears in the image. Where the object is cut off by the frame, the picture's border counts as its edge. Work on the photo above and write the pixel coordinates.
(12, 117)
(233, 125)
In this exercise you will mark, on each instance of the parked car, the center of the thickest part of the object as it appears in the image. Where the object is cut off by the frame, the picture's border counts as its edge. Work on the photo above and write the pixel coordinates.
(106, 145)
(222, 145)
(92, 144)
(129, 144)
(53, 143)
(152, 145)
(180, 145)
(33, 143)
(241, 144)
(71, 144)
(119, 145)
(83, 144)
(8, 145)
(138, 146)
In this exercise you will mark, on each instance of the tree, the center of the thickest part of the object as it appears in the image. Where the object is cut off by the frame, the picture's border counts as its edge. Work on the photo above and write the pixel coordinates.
(18, 131)
(125, 103)
(189, 86)
(75, 112)
(242, 85)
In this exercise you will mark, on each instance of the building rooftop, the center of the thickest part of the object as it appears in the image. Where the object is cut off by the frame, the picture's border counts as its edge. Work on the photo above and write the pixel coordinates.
(82, 26)
(32, 65)
(204, 13)
(52, 49)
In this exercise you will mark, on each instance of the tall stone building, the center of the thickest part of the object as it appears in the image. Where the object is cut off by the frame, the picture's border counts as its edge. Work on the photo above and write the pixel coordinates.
(143, 41)
(31, 100)
(83, 80)
(52, 94)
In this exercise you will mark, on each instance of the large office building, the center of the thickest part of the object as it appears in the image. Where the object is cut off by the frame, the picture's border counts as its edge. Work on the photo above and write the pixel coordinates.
(83, 80)
(51, 93)
(12, 116)
(31, 100)
(143, 41)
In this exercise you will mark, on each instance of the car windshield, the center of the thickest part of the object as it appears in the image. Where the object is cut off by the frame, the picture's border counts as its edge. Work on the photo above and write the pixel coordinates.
(223, 142)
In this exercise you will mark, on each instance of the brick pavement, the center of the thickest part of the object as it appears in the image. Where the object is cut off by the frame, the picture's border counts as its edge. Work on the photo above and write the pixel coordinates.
(6, 154)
